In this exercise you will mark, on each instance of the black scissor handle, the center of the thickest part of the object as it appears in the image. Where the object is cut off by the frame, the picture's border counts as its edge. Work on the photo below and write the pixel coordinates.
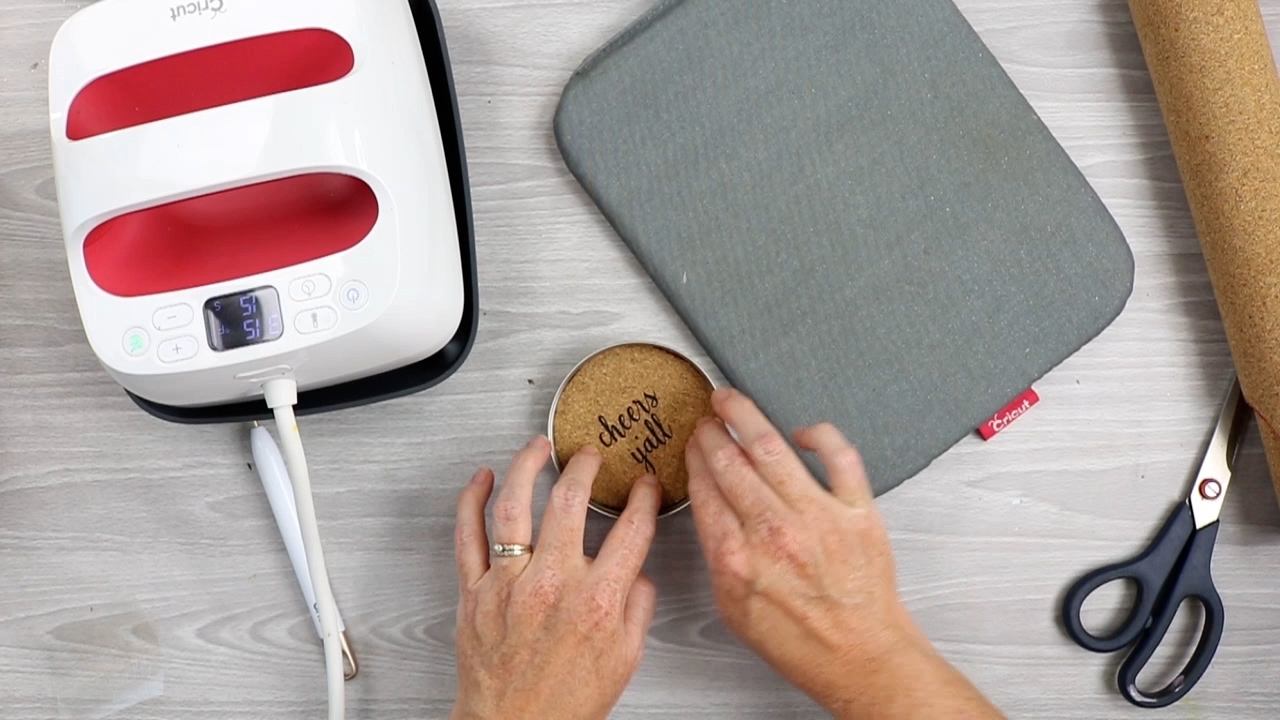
(1194, 582)
(1151, 571)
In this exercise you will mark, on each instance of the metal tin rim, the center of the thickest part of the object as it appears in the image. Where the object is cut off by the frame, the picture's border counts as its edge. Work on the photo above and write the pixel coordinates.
(555, 403)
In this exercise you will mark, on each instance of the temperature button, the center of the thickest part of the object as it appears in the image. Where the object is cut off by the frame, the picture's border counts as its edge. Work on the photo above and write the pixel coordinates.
(316, 320)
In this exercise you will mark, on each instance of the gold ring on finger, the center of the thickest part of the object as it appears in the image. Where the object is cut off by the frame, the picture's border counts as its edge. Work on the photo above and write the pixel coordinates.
(510, 550)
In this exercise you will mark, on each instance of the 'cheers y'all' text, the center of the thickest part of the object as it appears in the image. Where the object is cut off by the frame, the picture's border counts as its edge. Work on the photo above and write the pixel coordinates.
(639, 421)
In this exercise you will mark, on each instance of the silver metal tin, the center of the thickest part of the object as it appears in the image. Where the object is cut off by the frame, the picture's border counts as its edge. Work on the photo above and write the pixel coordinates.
(551, 416)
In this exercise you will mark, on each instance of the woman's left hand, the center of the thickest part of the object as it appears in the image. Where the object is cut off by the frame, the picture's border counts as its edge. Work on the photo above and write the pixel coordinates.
(550, 634)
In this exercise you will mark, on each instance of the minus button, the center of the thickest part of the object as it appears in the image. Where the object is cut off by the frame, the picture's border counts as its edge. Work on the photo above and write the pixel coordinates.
(173, 317)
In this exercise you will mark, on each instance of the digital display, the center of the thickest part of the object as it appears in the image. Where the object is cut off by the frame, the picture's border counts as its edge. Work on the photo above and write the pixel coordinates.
(244, 319)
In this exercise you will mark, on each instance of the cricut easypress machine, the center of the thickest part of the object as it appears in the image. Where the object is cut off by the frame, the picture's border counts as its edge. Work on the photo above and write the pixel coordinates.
(256, 188)
(266, 213)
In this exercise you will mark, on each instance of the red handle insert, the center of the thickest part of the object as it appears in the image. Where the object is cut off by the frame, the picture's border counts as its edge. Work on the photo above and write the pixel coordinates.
(235, 233)
(207, 78)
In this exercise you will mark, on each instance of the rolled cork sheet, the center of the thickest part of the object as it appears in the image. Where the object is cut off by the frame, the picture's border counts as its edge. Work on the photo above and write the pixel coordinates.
(1216, 81)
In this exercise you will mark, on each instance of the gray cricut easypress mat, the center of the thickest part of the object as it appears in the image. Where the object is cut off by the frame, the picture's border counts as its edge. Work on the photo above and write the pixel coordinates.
(852, 207)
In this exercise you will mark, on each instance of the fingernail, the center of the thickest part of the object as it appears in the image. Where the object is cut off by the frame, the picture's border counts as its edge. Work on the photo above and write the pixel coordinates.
(482, 478)
(702, 422)
(650, 485)
(590, 450)
(537, 442)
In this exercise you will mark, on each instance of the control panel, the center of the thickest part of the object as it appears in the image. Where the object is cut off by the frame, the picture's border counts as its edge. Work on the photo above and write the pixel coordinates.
(312, 306)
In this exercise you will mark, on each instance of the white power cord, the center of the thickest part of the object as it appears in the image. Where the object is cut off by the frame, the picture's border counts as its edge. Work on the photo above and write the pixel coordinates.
(281, 395)
(269, 463)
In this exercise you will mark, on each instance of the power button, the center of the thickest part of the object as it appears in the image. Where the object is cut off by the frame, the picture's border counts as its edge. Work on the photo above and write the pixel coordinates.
(354, 295)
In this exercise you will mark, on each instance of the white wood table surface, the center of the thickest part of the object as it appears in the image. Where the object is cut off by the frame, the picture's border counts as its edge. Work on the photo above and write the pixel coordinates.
(141, 575)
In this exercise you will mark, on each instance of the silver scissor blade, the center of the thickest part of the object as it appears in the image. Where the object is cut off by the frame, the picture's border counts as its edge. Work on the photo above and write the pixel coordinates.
(1220, 458)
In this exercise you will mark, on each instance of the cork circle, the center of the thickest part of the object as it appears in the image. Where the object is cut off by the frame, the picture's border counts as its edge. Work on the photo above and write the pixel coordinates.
(638, 404)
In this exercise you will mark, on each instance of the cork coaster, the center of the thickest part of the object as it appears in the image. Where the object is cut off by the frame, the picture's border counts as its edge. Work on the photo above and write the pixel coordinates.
(638, 404)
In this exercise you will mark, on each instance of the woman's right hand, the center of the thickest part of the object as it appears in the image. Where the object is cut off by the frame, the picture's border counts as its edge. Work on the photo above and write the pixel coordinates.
(552, 634)
(806, 577)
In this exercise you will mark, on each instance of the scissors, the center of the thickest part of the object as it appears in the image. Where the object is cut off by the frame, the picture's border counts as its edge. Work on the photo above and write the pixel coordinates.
(1174, 568)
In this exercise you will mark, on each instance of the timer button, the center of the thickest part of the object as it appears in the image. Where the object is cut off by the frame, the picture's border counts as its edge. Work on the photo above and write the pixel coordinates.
(316, 320)
(173, 317)
(178, 349)
(136, 342)
(354, 295)
(310, 287)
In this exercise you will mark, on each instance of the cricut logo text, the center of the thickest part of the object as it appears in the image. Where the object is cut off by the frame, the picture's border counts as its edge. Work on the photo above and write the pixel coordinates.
(1008, 414)
(999, 423)
(211, 8)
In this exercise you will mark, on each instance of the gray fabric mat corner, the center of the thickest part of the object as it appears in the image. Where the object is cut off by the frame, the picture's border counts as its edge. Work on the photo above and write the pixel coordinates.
(852, 207)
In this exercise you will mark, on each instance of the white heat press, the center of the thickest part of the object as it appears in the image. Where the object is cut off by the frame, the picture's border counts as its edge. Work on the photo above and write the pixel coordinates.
(265, 208)
(257, 188)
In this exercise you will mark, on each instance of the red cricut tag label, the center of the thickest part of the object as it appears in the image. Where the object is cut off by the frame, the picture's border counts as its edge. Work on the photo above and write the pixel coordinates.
(1008, 414)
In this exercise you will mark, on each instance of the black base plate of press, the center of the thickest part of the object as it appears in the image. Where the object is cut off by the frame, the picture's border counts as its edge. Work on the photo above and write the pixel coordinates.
(437, 368)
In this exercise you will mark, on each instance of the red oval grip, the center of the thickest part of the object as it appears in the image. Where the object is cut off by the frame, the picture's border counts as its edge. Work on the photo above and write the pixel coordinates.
(227, 235)
(207, 78)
